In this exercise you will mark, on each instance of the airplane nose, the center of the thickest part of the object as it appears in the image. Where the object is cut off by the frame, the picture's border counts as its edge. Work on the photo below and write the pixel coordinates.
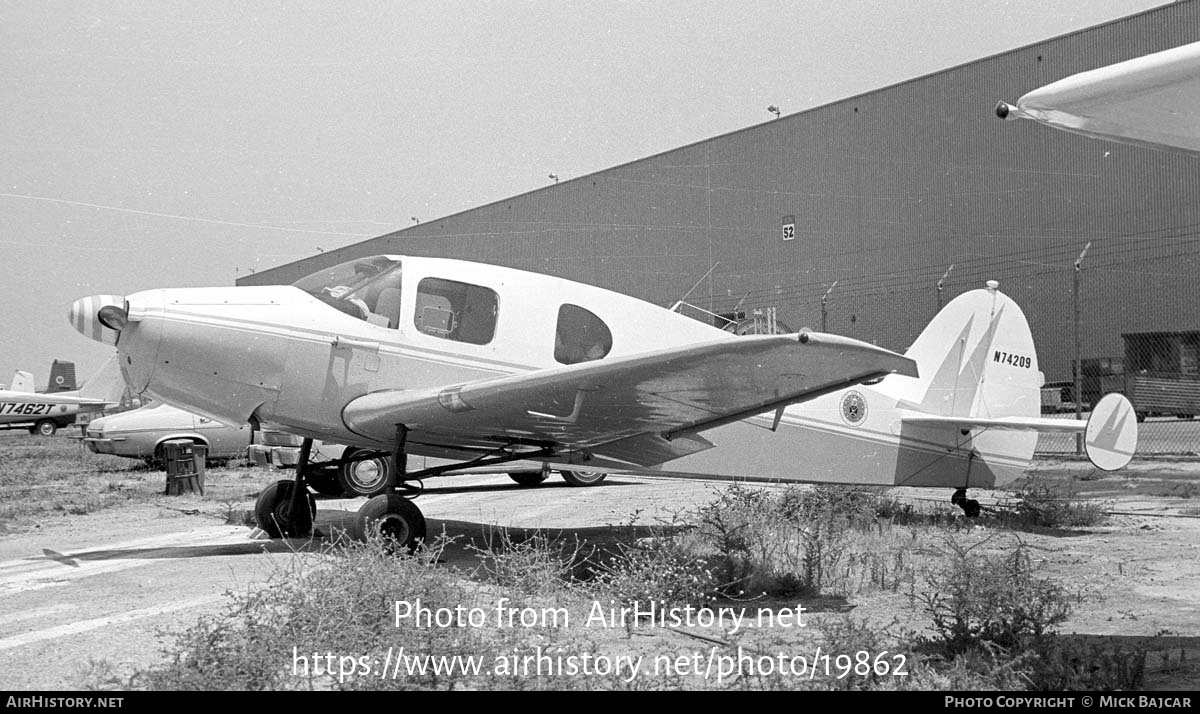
(99, 317)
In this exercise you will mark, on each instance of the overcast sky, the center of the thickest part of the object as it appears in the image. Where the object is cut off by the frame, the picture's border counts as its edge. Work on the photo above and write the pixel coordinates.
(170, 144)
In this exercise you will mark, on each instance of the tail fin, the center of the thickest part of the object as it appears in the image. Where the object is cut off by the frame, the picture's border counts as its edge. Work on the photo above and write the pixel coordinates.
(976, 359)
(22, 382)
(977, 362)
(62, 377)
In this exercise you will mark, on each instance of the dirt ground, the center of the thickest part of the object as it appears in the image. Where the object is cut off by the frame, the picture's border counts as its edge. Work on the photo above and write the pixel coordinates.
(89, 594)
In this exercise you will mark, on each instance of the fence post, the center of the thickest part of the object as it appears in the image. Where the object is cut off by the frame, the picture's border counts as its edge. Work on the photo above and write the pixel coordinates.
(825, 298)
(1078, 359)
(940, 284)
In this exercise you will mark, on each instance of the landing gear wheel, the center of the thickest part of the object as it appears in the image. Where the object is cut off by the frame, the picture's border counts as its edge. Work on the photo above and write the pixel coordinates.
(392, 517)
(365, 478)
(527, 478)
(969, 506)
(45, 427)
(583, 478)
(324, 482)
(273, 512)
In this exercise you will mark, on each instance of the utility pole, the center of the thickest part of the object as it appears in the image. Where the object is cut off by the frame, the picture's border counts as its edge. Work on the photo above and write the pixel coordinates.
(1078, 359)
(940, 283)
(824, 299)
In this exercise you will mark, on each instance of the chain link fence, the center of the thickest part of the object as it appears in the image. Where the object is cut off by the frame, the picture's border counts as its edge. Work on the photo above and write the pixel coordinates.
(1113, 316)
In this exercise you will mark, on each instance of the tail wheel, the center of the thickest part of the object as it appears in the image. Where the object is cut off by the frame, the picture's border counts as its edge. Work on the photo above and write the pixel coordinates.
(365, 478)
(969, 506)
(45, 427)
(391, 517)
(527, 478)
(583, 478)
(273, 512)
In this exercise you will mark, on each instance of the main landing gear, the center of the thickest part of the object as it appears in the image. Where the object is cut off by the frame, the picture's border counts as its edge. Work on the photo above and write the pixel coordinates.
(287, 509)
(970, 506)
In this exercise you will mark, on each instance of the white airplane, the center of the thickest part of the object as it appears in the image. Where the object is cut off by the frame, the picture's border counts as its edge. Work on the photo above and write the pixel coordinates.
(1152, 101)
(46, 412)
(487, 365)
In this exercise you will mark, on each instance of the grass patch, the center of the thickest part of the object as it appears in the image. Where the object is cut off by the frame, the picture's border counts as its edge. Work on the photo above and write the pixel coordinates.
(44, 477)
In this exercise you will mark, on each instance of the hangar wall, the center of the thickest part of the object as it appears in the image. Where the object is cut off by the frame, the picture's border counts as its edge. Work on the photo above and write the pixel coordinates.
(887, 190)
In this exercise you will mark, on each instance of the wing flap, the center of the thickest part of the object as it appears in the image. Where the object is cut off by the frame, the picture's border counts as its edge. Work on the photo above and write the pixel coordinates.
(611, 403)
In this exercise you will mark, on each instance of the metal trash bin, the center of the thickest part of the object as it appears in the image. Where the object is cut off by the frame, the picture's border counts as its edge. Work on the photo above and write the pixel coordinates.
(184, 460)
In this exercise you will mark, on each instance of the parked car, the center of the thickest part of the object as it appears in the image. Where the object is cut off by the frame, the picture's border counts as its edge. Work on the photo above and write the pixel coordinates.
(140, 434)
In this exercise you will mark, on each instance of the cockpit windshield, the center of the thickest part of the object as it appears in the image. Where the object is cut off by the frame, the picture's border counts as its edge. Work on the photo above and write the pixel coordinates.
(366, 288)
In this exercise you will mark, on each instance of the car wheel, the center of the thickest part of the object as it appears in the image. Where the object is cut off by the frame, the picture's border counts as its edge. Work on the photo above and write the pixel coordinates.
(365, 478)
(45, 427)
(583, 478)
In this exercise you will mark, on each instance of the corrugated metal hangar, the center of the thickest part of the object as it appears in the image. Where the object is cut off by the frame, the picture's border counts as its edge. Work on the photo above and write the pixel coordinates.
(884, 192)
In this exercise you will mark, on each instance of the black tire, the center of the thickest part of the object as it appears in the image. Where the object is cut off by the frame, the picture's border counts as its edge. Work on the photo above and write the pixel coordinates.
(391, 516)
(273, 512)
(45, 427)
(369, 478)
(324, 482)
(583, 478)
(527, 478)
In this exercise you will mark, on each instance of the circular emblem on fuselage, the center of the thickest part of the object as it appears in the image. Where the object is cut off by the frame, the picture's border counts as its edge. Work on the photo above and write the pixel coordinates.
(854, 408)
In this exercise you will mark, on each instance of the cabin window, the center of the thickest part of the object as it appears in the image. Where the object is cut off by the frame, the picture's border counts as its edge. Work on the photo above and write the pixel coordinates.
(456, 311)
(581, 336)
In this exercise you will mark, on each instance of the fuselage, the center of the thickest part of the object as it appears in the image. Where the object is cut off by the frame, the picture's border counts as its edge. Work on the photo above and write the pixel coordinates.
(293, 357)
(16, 410)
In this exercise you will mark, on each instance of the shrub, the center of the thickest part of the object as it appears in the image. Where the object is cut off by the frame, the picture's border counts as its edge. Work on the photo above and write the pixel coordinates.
(328, 622)
(1040, 505)
(992, 599)
(533, 564)
(656, 570)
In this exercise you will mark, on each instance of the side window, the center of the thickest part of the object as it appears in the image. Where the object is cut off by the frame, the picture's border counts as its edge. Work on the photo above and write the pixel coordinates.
(456, 311)
(581, 336)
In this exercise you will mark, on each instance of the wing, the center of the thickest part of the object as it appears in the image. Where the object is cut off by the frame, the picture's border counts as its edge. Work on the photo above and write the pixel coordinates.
(1152, 100)
(639, 410)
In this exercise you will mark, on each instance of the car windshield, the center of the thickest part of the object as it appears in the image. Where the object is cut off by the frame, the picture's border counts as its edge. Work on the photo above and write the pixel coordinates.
(365, 288)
